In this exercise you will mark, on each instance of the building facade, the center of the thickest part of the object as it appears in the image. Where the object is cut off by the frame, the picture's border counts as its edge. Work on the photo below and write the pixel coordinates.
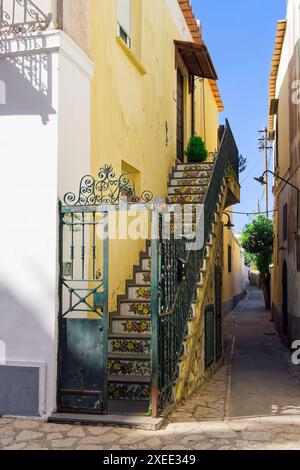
(107, 88)
(284, 131)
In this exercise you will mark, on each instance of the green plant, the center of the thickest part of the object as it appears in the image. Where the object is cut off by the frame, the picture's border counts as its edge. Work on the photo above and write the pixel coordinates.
(257, 241)
(196, 150)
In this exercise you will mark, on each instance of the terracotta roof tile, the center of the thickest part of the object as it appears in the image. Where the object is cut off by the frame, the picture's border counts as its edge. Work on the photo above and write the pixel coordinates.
(195, 30)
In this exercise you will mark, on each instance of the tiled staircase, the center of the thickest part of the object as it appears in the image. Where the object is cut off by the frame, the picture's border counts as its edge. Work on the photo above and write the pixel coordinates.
(130, 327)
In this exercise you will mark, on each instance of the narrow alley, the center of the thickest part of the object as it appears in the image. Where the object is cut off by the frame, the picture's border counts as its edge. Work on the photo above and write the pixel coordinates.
(253, 402)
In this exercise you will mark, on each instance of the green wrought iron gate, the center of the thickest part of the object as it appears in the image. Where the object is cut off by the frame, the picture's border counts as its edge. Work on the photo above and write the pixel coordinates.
(83, 315)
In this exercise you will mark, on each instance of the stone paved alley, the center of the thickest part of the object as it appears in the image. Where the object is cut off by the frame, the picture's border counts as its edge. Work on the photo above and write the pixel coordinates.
(253, 402)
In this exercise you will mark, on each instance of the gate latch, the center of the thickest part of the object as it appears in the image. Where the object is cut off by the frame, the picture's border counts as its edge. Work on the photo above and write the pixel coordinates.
(98, 301)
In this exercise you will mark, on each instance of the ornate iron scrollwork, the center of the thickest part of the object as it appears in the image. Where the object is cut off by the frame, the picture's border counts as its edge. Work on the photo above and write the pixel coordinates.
(21, 17)
(108, 189)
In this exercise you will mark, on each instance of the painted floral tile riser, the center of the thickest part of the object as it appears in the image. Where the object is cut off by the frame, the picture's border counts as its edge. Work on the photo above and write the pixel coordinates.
(125, 367)
(128, 392)
(133, 346)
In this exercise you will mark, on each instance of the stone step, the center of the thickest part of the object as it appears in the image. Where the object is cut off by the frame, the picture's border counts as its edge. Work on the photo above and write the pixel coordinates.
(185, 199)
(140, 390)
(129, 357)
(122, 344)
(206, 166)
(131, 326)
(129, 367)
(186, 190)
(202, 182)
(139, 293)
(131, 309)
(146, 264)
(143, 278)
(191, 174)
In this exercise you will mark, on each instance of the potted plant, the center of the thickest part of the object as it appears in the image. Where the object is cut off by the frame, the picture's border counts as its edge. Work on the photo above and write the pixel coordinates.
(196, 150)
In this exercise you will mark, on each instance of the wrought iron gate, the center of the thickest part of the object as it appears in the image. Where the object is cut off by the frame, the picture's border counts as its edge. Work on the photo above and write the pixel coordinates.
(83, 315)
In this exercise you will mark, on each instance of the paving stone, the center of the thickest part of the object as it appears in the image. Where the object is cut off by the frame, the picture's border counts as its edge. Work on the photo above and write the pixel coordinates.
(99, 430)
(89, 447)
(193, 439)
(256, 436)
(28, 435)
(17, 446)
(154, 443)
(64, 443)
(104, 439)
(76, 432)
(54, 435)
(6, 440)
(26, 424)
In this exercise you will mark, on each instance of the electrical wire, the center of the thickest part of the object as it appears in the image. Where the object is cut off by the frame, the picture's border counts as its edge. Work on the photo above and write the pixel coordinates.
(252, 213)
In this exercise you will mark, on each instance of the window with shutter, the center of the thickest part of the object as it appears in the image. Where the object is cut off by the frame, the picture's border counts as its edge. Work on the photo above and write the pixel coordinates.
(124, 20)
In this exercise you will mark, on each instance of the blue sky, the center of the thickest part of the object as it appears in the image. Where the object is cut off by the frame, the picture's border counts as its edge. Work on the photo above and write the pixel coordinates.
(240, 36)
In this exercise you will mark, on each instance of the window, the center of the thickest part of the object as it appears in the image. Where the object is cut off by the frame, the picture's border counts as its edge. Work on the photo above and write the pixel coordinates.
(284, 223)
(124, 21)
(229, 259)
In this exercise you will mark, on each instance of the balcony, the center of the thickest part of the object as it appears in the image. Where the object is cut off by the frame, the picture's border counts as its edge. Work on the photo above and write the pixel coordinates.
(21, 17)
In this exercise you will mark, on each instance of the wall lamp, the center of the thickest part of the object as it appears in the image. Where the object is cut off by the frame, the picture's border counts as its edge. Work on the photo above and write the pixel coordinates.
(229, 224)
(262, 181)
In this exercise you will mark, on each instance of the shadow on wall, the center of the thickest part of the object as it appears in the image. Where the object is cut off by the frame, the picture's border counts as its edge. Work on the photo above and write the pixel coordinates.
(25, 82)
(24, 340)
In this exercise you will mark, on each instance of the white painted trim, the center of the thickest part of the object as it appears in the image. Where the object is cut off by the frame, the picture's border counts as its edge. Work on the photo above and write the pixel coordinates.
(42, 379)
(54, 41)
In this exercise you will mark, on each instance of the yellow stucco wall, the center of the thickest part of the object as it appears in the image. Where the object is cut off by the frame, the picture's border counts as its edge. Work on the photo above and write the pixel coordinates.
(133, 101)
(234, 281)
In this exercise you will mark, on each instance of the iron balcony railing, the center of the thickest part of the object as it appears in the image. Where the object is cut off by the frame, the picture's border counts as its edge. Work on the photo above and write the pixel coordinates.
(172, 298)
(19, 17)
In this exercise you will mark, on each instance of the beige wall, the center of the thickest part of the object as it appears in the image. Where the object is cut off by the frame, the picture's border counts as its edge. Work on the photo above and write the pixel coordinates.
(234, 282)
(288, 128)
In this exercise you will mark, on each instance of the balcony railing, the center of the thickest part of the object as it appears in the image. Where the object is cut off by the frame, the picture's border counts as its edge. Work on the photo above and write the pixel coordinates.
(20, 17)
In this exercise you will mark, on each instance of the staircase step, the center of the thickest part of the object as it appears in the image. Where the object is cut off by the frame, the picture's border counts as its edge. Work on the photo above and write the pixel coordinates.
(143, 278)
(185, 199)
(135, 326)
(186, 190)
(130, 390)
(129, 357)
(196, 174)
(131, 309)
(128, 336)
(129, 368)
(129, 345)
(195, 166)
(130, 378)
(139, 292)
(146, 264)
(202, 182)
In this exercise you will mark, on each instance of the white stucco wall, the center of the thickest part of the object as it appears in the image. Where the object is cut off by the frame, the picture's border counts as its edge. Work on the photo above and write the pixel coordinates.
(45, 147)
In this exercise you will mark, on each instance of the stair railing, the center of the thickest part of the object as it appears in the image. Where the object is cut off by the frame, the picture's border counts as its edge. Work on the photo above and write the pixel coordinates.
(175, 277)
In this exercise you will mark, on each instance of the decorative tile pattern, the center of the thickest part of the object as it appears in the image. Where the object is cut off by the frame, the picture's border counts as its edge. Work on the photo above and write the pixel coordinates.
(134, 346)
(140, 309)
(185, 199)
(136, 327)
(129, 367)
(143, 293)
(128, 392)
(147, 277)
(189, 190)
(198, 167)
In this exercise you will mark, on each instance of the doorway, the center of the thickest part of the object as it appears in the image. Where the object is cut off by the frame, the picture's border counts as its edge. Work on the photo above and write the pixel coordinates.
(180, 116)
